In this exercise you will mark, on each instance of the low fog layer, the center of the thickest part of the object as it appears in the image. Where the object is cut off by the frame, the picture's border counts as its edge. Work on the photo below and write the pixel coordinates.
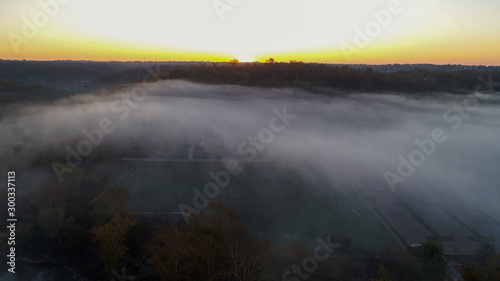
(359, 135)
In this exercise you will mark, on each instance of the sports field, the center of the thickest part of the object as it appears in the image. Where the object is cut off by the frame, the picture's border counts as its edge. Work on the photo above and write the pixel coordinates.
(277, 202)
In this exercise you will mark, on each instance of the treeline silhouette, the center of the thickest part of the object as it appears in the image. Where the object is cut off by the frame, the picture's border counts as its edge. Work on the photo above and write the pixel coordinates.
(52, 72)
(11, 91)
(45, 81)
(307, 75)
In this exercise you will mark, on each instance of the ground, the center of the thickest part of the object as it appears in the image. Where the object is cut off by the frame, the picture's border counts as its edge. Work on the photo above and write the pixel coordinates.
(277, 202)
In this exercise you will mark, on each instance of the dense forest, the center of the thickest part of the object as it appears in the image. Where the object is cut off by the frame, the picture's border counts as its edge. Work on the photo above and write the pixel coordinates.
(37, 81)
(298, 74)
(54, 72)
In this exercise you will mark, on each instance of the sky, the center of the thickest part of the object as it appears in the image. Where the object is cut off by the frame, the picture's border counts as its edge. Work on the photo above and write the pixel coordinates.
(326, 31)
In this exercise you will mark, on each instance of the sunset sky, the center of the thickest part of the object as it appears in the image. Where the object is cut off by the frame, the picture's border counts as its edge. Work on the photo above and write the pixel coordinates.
(423, 31)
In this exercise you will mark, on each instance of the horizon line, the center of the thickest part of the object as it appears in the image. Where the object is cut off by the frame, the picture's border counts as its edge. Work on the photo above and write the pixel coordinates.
(241, 62)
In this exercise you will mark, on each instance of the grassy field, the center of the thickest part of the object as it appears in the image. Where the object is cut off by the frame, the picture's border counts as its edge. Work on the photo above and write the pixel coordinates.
(272, 201)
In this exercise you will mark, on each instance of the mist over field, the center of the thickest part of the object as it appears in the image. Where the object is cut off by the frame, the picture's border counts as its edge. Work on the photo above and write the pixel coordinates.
(357, 138)
(363, 130)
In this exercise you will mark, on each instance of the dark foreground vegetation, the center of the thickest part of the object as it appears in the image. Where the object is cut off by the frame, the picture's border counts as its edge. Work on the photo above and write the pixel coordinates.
(96, 239)
(88, 233)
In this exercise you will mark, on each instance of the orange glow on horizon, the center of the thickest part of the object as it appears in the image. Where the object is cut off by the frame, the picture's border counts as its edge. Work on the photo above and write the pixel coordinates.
(80, 31)
(398, 52)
